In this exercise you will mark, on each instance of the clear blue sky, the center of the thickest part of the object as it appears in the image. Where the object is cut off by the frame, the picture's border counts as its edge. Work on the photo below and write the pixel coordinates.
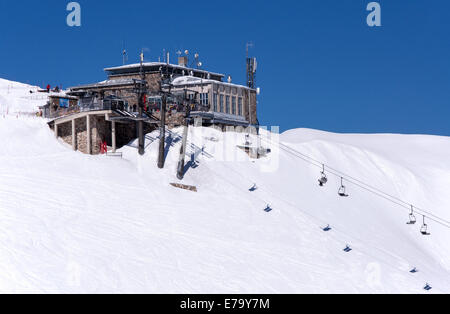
(320, 65)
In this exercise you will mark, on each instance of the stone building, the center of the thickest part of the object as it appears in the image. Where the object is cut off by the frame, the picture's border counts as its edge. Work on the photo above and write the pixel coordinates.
(225, 104)
(204, 87)
(58, 105)
(88, 131)
(105, 114)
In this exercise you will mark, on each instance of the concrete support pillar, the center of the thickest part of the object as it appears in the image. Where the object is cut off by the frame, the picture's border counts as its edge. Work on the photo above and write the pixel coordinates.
(56, 130)
(74, 136)
(239, 129)
(88, 138)
(113, 136)
(198, 122)
(251, 130)
(229, 128)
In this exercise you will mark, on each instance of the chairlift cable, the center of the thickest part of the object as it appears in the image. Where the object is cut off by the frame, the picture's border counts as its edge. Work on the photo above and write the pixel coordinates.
(361, 184)
(337, 239)
(320, 221)
(340, 173)
(332, 235)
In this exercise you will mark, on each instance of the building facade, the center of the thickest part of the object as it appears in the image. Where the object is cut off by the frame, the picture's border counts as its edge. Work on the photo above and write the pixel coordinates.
(104, 114)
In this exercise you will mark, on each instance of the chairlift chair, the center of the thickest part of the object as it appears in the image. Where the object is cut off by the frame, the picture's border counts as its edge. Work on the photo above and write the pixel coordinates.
(347, 249)
(412, 217)
(342, 189)
(323, 180)
(253, 188)
(268, 209)
(424, 229)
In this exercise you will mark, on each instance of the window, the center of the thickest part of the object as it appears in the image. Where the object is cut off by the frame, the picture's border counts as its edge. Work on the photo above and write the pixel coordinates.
(204, 99)
(221, 103)
(215, 102)
(227, 104)
(233, 105)
(240, 111)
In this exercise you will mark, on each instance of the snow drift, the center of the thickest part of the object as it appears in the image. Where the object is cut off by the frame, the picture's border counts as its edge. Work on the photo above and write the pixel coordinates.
(19, 98)
(76, 223)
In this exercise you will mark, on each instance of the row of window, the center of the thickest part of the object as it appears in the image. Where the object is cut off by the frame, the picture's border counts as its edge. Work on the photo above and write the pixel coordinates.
(221, 103)
(204, 98)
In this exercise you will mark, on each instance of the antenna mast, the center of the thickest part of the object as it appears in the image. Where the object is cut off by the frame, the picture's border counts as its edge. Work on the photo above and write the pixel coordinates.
(251, 67)
(141, 69)
(124, 54)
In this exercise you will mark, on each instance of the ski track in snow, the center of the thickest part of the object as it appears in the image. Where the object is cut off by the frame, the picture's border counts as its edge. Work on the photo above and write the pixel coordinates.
(93, 224)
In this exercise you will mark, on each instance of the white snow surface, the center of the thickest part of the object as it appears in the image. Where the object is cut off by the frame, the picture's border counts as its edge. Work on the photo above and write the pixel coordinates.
(72, 223)
(16, 98)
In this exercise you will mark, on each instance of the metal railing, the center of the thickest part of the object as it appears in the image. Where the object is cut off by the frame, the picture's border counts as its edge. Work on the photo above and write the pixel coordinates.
(86, 107)
(94, 105)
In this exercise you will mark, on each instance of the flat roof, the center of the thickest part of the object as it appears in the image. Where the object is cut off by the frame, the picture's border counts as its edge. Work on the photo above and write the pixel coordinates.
(61, 94)
(191, 80)
(159, 64)
(109, 83)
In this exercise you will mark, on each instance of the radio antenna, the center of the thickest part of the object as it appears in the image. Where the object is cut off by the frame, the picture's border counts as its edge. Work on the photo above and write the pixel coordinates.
(124, 54)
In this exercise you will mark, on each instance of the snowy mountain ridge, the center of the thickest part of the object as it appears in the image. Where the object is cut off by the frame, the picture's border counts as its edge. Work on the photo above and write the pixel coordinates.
(18, 97)
(76, 223)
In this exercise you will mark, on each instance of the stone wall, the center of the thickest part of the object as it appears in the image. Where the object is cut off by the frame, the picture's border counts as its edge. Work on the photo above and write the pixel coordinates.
(173, 119)
(153, 80)
(250, 106)
(80, 128)
(100, 132)
(65, 132)
(55, 109)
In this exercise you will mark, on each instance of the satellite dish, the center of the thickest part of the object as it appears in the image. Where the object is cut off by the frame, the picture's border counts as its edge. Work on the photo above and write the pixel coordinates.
(199, 64)
(197, 55)
(186, 52)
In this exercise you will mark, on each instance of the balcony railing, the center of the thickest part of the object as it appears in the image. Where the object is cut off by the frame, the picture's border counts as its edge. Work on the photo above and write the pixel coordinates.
(85, 106)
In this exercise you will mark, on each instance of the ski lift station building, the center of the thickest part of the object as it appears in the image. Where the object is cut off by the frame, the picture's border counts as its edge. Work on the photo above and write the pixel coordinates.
(106, 112)
(223, 103)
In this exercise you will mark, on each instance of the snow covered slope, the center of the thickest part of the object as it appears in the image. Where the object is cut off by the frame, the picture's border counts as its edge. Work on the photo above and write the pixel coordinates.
(76, 223)
(16, 98)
